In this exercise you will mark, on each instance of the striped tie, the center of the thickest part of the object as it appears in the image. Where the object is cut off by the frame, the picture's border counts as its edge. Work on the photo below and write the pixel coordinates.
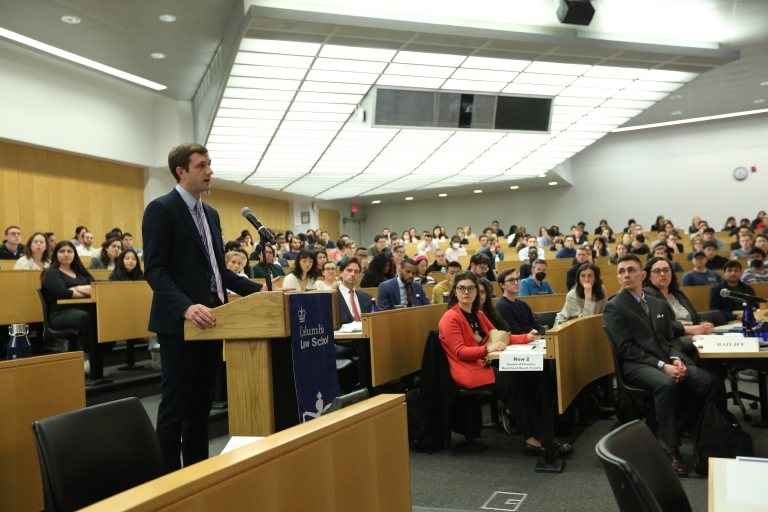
(202, 227)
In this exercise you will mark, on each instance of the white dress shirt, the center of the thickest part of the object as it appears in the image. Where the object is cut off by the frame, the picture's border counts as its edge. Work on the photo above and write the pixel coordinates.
(523, 253)
(347, 300)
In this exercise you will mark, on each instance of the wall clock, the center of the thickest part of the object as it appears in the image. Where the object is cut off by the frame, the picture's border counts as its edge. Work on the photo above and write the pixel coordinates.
(740, 173)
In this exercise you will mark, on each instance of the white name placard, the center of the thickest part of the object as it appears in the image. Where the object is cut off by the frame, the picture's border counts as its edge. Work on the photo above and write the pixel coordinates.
(714, 343)
(515, 361)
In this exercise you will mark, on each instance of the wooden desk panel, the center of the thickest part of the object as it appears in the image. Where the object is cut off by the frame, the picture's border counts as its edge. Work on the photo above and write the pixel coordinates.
(122, 310)
(354, 459)
(544, 303)
(25, 306)
(32, 389)
(7, 264)
(397, 339)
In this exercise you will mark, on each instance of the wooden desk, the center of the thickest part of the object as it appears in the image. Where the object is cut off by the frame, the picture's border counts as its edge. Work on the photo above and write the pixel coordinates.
(544, 303)
(32, 389)
(353, 459)
(718, 487)
(25, 306)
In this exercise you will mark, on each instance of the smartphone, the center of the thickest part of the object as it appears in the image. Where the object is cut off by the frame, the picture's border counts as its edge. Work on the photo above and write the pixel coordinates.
(542, 330)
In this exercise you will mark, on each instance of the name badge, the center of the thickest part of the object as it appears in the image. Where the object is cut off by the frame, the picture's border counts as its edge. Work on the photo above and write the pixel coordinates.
(714, 343)
(514, 361)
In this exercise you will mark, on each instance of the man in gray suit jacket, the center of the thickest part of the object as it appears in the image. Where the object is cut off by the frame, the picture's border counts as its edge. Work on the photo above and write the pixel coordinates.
(641, 328)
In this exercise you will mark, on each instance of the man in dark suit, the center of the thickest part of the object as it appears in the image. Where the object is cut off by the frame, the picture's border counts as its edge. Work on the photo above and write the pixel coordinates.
(184, 266)
(352, 303)
(641, 327)
(402, 289)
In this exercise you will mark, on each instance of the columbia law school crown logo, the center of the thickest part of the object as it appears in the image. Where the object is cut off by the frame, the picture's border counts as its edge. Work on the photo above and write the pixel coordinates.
(302, 315)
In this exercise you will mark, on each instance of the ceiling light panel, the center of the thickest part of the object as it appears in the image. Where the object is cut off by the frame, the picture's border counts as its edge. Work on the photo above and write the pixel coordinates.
(534, 90)
(334, 87)
(355, 53)
(495, 64)
(554, 68)
(416, 70)
(472, 85)
(410, 81)
(281, 47)
(433, 59)
(270, 60)
(483, 75)
(355, 66)
(541, 79)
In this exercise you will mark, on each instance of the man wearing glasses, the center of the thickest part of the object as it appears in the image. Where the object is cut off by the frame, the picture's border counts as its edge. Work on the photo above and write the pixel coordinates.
(12, 248)
(640, 326)
(515, 312)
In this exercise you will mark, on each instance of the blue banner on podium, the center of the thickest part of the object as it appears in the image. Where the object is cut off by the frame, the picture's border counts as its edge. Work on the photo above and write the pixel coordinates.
(314, 353)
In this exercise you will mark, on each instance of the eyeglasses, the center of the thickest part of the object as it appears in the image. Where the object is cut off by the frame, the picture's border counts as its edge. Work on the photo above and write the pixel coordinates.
(513, 280)
(658, 271)
(466, 289)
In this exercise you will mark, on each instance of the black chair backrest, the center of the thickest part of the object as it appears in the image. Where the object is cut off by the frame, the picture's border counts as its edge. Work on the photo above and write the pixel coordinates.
(91, 454)
(639, 472)
(714, 317)
(546, 318)
(623, 386)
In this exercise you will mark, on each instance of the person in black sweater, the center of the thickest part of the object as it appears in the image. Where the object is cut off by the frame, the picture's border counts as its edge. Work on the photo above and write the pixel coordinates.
(67, 278)
(377, 271)
(714, 260)
(516, 313)
(127, 267)
(731, 282)
(583, 255)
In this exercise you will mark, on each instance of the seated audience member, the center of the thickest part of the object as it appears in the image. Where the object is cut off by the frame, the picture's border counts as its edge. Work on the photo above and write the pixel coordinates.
(378, 271)
(641, 327)
(437, 234)
(742, 231)
(673, 244)
(583, 255)
(638, 246)
(761, 241)
(440, 263)
(745, 243)
(127, 267)
(536, 284)
(496, 229)
(36, 255)
(421, 270)
(393, 241)
(485, 289)
(352, 303)
(468, 232)
(480, 265)
(454, 267)
(86, 247)
(579, 237)
(350, 246)
(608, 235)
(630, 227)
(361, 253)
(587, 298)
(247, 269)
(697, 245)
(694, 227)
(245, 235)
(322, 257)
(464, 332)
(638, 230)
(328, 242)
(732, 282)
(424, 233)
(708, 235)
(661, 282)
(568, 251)
(12, 248)
(756, 272)
(295, 248)
(744, 223)
(110, 250)
(730, 224)
(319, 244)
(669, 226)
(260, 269)
(51, 241)
(329, 282)
(398, 255)
(600, 247)
(714, 260)
(516, 313)
(513, 237)
(545, 237)
(759, 222)
(659, 224)
(626, 239)
(414, 235)
(599, 229)
(663, 251)
(455, 250)
(304, 273)
(530, 241)
(621, 250)
(526, 268)
(702, 226)
(127, 241)
(427, 244)
(492, 251)
(663, 237)
(557, 244)
(235, 262)
(79, 232)
(701, 275)
(406, 238)
(403, 290)
(462, 236)
(281, 247)
(67, 278)
(379, 245)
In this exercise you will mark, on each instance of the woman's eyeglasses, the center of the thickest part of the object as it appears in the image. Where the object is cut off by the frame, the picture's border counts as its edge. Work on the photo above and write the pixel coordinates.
(466, 289)
(658, 271)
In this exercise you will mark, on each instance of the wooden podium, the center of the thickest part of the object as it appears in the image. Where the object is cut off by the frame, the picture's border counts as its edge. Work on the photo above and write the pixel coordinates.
(260, 387)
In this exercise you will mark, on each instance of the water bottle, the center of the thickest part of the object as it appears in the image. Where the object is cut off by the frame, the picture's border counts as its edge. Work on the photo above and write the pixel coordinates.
(446, 297)
(417, 301)
(373, 305)
(18, 346)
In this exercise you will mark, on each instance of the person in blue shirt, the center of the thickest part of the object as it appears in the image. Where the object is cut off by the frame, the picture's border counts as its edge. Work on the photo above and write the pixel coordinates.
(536, 284)
(701, 275)
(567, 251)
(732, 282)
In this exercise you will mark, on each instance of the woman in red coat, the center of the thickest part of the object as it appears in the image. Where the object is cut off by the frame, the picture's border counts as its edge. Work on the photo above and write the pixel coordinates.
(463, 332)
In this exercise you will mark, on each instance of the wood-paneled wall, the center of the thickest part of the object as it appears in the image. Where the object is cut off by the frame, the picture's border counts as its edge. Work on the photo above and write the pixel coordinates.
(273, 213)
(329, 221)
(42, 190)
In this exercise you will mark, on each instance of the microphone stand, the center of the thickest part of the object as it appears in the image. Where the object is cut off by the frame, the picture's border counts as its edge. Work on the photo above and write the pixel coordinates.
(748, 321)
(262, 250)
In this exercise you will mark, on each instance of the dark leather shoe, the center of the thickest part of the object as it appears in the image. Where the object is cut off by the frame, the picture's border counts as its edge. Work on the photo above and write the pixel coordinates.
(677, 463)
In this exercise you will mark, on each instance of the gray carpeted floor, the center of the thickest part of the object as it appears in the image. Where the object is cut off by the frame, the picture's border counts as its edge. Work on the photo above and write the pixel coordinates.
(460, 481)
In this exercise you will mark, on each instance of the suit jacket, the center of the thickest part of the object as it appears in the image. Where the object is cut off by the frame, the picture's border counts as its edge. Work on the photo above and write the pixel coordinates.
(177, 267)
(365, 300)
(677, 327)
(389, 294)
(642, 341)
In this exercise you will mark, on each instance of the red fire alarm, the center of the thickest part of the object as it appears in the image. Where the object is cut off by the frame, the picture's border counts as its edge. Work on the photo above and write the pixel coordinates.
(753, 168)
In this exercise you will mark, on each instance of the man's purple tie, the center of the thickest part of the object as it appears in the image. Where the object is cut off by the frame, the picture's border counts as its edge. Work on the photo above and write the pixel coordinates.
(202, 227)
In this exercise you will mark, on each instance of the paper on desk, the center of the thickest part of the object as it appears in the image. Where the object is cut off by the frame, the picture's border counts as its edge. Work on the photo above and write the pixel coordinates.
(539, 343)
(745, 484)
(236, 442)
(520, 348)
(351, 327)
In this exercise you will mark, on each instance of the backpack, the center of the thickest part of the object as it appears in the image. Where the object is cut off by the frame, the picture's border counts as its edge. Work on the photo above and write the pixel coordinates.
(718, 434)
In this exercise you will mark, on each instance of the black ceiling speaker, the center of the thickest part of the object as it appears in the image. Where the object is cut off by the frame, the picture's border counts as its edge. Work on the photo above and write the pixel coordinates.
(575, 12)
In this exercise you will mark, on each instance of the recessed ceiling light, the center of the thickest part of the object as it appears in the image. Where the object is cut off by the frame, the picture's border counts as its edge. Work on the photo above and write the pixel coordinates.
(514, 187)
(478, 191)
(763, 83)
(158, 55)
(542, 175)
(443, 195)
(168, 18)
(409, 199)
(553, 183)
(677, 112)
(72, 20)
(759, 101)
(375, 202)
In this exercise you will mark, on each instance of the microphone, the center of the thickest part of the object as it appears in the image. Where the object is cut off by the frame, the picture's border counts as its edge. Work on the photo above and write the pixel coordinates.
(264, 232)
(741, 296)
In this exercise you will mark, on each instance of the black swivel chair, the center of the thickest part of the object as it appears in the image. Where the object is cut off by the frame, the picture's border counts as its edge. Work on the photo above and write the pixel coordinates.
(629, 391)
(91, 454)
(639, 472)
(52, 335)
